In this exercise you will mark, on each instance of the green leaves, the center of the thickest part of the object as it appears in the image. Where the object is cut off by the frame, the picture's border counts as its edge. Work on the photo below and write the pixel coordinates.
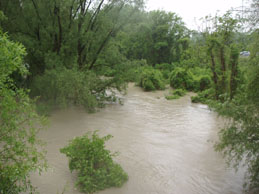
(151, 79)
(66, 87)
(93, 163)
(11, 59)
(20, 151)
(177, 93)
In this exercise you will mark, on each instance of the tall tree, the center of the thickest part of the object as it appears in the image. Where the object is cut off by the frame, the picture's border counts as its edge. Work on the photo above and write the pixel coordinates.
(223, 53)
(65, 32)
(158, 37)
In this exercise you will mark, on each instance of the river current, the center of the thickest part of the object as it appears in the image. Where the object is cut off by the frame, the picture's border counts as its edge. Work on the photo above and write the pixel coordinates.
(166, 147)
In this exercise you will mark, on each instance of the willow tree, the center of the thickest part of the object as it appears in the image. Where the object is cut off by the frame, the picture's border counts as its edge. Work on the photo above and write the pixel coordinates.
(65, 32)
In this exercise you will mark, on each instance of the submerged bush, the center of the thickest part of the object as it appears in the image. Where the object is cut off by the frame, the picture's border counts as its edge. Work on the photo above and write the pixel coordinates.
(200, 79)
(177, 93)
(178, 78)
(193, 79)
(203, 96)
(93, 163)
(151, 79)
(67, 87)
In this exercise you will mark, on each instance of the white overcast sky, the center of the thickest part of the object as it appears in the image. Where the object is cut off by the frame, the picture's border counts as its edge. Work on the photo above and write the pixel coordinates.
(191, 9)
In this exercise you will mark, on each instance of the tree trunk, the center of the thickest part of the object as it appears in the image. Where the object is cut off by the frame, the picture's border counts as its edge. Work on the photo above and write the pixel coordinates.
(234, 72)
(223, 69)
(215, 77)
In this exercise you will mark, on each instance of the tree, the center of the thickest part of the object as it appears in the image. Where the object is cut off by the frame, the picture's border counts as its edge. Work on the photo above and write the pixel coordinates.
(65, 32)
(158, 36)
(223, 54)
(239, 141)
(20, 149)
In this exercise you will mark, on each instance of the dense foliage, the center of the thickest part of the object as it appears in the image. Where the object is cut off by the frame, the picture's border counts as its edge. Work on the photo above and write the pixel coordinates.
(240, 140)
(177, 93)
(193, 79)
(83, 52)
(65, 87)
(151, 79)
(20, 149)
(93, 163)
(67, 42)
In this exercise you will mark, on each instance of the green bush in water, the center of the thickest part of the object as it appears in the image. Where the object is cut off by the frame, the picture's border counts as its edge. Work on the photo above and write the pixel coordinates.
(165, 69)
(194, 79)
(131, 70)
(200, 79)
(177, 93)
(151, 79)
(93, 163)
(179, 78)
(203, 96)
(65, 87)
(172, 97)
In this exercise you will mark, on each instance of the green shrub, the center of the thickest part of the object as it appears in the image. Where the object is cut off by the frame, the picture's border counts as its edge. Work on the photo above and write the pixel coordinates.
(179, 92)
(151, 79)
(165, 69)
(193, 79)
(204, 82)
(203, 96)
(201, 79)
(131, 70)
(93, 163)
(172, 97)
(163, 66)
(176, 94)
(66, 87)
(178, 78)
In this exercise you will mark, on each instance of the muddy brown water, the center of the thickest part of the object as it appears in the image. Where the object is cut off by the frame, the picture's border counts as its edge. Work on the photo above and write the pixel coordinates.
(166, 147)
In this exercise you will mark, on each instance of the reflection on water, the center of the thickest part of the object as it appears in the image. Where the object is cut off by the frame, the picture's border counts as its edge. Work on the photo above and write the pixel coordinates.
(166, 147)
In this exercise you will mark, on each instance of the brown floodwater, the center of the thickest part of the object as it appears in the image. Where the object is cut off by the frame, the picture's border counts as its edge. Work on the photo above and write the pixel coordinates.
(166, 147)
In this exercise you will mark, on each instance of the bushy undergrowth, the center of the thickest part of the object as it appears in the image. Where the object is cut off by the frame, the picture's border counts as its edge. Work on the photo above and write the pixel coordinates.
(65, 87)
(93, 163)
(127, 70)
(193, 79)
(131, 70)
(165, 69)
(179, 78)
(177, 93)
(204, 96)
(150, 79)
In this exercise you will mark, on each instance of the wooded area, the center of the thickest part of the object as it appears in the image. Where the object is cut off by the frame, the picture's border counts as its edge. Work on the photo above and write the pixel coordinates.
(54, 54)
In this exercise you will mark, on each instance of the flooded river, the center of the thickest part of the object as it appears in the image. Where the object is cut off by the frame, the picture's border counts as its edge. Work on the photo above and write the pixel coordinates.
(166, 147)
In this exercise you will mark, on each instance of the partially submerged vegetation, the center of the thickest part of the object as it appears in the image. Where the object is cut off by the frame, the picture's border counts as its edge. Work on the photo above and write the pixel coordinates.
(93, 163)
(175, 94)
(150, 79)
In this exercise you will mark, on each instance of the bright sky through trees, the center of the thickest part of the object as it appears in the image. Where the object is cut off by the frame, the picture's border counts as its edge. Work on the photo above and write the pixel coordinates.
(192, 10)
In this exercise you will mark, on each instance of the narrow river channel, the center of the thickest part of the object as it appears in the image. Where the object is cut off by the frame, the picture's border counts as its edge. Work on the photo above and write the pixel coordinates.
(166, 147)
